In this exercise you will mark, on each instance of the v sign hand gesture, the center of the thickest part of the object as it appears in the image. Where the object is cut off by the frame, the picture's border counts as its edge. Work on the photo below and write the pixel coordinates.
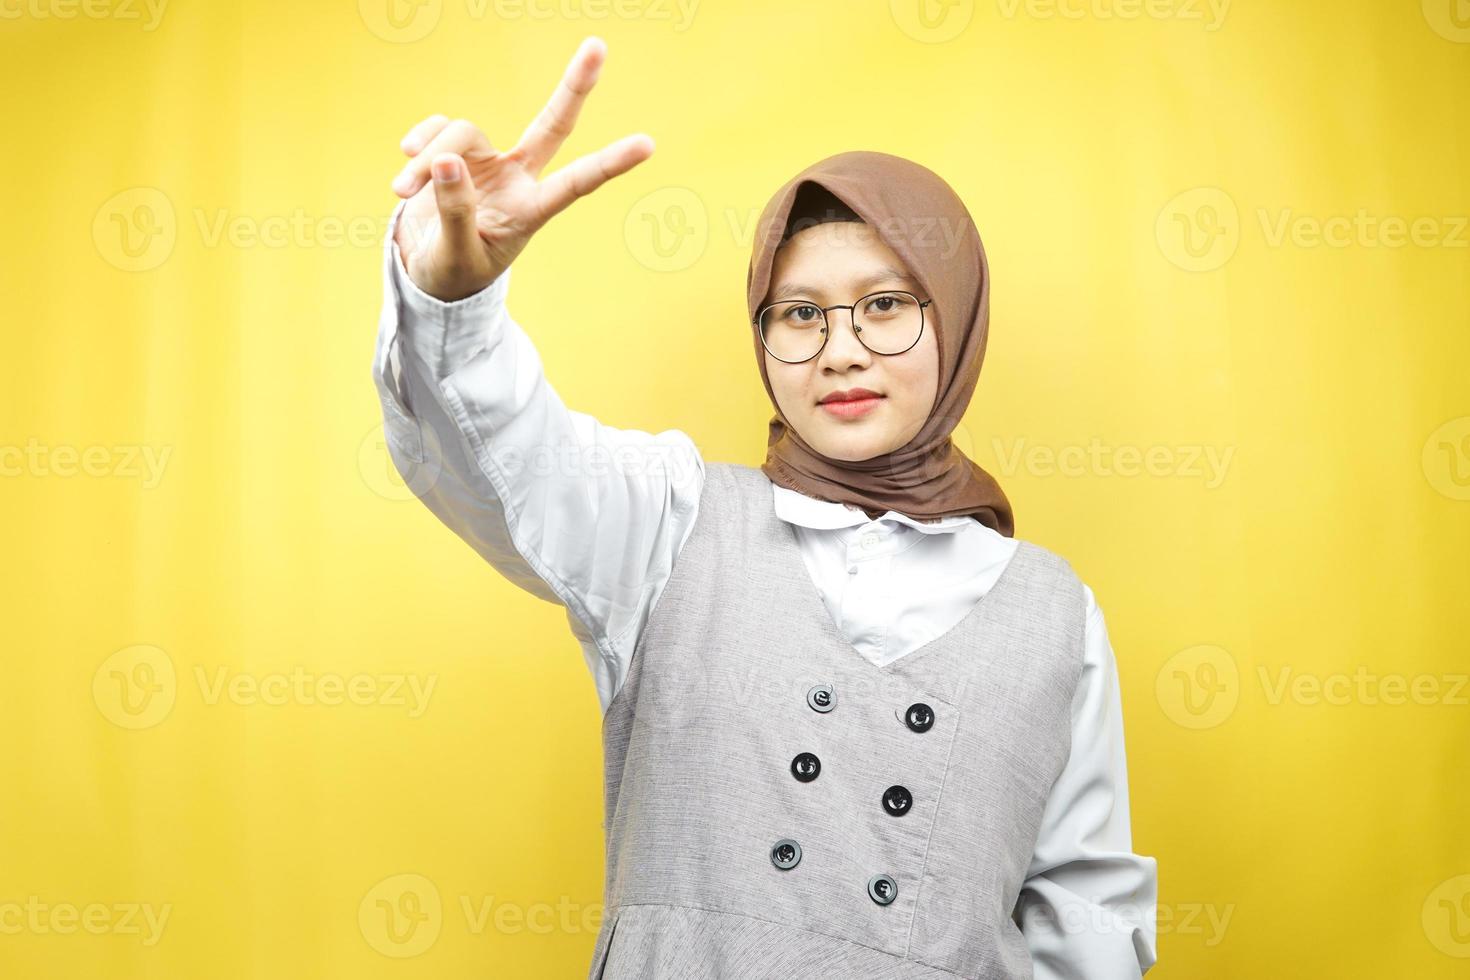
(463, 228)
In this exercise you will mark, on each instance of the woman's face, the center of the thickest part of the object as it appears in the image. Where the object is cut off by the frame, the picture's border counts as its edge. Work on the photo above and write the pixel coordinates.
(838, 262)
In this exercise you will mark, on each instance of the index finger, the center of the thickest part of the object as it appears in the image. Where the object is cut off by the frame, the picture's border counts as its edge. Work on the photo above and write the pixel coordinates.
(544, 136)
(585, 174)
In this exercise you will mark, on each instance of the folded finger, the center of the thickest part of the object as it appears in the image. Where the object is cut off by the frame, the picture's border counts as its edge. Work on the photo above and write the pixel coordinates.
(460, 136)
(422, 132)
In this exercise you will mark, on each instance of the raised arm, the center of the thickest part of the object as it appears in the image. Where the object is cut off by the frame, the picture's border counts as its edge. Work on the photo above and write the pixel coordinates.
(576, 512)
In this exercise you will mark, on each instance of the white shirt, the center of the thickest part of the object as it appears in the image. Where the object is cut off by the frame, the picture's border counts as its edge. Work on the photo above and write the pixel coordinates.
(591, 517)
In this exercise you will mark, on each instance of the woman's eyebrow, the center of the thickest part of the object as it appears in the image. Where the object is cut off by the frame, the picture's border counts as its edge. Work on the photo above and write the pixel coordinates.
(885, 274)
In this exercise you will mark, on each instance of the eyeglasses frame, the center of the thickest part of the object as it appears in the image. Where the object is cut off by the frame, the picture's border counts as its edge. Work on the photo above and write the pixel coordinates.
(827, 324)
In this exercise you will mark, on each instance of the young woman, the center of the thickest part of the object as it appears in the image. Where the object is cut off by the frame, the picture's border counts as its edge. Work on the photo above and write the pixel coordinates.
(853, 727)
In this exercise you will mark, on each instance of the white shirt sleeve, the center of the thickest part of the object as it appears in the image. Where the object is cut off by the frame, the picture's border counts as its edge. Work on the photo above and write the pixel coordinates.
(1089, 905)
(571, 510)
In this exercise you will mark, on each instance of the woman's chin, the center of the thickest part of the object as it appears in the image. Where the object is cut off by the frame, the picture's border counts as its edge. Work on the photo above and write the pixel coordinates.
(850, 442)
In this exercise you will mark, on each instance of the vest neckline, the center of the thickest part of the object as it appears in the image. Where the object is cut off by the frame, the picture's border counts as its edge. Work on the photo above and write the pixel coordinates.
(788, 550)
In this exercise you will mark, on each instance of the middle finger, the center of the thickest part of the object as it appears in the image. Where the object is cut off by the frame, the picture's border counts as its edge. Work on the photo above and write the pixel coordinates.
(544, 136)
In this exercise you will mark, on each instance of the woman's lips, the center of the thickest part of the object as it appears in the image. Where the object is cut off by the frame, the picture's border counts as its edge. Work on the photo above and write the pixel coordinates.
(852, 409)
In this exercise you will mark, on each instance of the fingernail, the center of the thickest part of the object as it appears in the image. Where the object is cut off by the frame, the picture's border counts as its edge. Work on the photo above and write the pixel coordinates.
(446, 170)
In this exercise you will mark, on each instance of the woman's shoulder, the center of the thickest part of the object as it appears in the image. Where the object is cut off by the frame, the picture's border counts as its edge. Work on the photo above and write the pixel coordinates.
(724, 473)
(733, 468)
(1058, 566)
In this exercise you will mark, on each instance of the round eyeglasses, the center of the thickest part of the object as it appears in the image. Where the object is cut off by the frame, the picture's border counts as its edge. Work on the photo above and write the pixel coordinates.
(796, 330)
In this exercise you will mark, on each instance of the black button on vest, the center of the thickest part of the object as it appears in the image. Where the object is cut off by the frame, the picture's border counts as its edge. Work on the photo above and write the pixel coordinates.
(806, 767)
(882, 889)
(785, 853)
(919, 717)
(897, 800)
(822, 698)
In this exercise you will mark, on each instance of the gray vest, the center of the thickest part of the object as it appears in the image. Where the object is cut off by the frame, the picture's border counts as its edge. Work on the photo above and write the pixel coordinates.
(780, 807)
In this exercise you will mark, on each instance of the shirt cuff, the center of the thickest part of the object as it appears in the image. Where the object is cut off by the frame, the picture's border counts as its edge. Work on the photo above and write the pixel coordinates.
(443, 334)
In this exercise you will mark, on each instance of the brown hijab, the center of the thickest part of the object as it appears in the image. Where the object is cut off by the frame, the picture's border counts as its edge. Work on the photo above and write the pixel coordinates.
(926, 224)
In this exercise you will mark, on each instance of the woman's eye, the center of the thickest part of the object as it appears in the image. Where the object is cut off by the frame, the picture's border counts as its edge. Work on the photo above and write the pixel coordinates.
(886, 304)
(805, 314)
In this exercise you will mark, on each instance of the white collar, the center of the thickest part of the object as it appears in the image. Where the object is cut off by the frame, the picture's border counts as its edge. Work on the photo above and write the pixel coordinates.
(797, 508)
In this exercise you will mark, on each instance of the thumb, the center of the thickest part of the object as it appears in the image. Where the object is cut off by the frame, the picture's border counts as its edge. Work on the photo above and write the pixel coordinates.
(454, 193)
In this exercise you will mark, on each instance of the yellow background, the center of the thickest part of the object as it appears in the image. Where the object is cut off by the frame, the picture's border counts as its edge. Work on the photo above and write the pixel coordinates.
(1299, 832)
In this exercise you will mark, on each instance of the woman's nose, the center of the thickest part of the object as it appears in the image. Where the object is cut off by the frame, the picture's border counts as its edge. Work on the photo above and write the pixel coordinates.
(843, 346)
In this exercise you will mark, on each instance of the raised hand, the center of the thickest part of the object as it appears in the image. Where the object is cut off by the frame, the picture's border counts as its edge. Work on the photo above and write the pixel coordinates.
(463, 228)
